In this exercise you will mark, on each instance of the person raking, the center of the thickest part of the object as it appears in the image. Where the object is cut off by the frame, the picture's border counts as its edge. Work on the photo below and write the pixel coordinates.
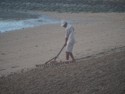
(69, 40)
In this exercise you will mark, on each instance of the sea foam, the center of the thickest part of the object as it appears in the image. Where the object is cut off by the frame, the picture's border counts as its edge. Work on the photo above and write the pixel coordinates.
(10, 25)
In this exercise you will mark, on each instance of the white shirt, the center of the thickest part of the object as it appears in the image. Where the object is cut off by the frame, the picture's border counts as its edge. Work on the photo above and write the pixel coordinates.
(70, 34)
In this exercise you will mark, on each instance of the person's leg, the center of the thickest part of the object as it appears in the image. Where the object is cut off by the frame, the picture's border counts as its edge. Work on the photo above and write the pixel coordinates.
(69, 48)
(71, 55)
(67, 55)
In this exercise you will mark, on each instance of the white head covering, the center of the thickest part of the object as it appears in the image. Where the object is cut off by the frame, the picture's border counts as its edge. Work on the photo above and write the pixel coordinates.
(63, 23)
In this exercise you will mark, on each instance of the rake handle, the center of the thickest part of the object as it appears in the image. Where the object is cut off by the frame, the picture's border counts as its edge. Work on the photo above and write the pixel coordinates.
(59, 52)
(54, 58)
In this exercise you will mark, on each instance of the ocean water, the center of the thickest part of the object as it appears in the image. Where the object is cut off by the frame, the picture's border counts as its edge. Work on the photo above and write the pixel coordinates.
(10, 25)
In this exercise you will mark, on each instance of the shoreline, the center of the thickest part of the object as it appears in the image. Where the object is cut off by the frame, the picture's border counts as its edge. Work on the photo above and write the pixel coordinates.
(21, 20)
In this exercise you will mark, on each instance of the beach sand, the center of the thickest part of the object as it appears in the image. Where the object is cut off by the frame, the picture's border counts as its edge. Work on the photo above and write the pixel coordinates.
(103, 73)
(95, 33)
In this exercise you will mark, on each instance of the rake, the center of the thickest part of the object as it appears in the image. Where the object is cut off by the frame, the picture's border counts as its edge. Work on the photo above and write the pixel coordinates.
(54, 58)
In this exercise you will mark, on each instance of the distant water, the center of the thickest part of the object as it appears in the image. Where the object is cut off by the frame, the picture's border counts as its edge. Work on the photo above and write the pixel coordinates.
(9, 25)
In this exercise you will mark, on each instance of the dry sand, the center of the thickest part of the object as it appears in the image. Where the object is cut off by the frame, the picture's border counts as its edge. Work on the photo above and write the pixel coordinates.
(95, 32)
